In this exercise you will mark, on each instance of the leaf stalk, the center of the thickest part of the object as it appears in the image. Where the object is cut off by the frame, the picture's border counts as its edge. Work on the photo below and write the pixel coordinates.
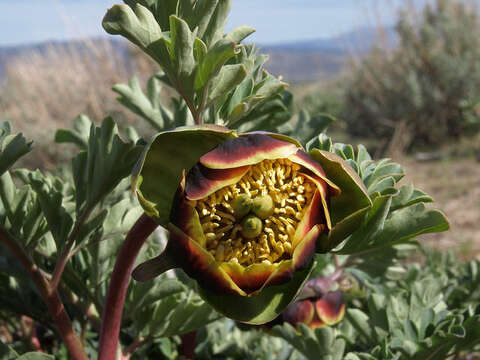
(117, 290)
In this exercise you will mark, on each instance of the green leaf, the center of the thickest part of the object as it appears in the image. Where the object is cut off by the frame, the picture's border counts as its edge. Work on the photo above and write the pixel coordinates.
(260, 308)
(162, 10)
(187, 145)
(348, 209)
(362, 154)
(241, 92)
(144, 294)
(139, 26)
(309, 126)
(55, 207)
(174, 315)
(409, 222)
(214, 30)
(199, 50)
(108, 160)
(7, 353)
(240, 33)
(408, 196)
(36, 356)
(228, 78)
(360, 322)
(78, 135)
(373, 224)
(12, 147)
(147, 107)
(353, 195)
(382, 170)
(213, 60)
(181, 53)
(119, 218)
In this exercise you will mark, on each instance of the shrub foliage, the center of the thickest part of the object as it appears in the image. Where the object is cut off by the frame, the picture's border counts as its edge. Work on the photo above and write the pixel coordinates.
(425, 90)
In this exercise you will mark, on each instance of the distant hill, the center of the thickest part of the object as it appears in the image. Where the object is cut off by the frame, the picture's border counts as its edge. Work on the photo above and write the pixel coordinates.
(310, 60)
(300, 61)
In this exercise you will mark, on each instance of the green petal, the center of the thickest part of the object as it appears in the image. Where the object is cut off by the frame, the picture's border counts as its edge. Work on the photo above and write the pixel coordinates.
(156, 177)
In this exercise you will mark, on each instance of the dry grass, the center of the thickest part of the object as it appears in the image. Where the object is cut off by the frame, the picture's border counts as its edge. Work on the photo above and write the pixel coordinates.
(44, 91)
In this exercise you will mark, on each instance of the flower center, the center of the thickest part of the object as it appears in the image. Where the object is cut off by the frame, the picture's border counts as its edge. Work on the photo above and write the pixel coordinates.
(255, 220)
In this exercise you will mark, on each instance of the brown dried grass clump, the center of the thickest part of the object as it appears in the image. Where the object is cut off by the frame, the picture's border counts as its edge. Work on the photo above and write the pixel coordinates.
(44, 90)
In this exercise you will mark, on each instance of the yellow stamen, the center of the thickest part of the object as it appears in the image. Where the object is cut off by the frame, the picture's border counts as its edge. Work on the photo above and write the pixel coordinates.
(221, 217)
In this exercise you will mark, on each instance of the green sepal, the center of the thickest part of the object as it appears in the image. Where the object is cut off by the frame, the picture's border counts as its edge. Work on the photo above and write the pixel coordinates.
(348, 209)
(156, 177)
(261, 308)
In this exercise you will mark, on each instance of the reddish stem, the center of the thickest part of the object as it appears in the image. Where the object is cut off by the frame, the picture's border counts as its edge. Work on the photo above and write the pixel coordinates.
(51, 298)
(117, 290)
(187, 347)
(65, 255)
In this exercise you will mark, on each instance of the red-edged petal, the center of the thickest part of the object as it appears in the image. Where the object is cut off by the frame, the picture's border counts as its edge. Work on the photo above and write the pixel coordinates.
(316, 323)
(314, 214)
(280, 137)
(330, 308)
(203, 181)
(302, 256)
(199, 264)
(185, 217)
(250, 278)
(322, 191)
(299, 312)
(304, 251)
(247, 150)
(302, 158)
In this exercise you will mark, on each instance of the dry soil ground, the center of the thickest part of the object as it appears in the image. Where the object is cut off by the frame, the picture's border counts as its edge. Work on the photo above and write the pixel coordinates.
(455, 186)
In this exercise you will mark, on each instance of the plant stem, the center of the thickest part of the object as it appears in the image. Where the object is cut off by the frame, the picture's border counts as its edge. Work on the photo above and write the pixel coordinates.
(187, 347)
(117, 290)
(50, 296)
(65, 255)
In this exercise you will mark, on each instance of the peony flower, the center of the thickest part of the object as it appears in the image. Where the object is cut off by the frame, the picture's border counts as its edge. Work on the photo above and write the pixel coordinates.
(247, 214)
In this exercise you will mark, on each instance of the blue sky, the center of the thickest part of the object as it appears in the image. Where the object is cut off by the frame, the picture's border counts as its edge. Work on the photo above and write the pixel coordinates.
(28, 21)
